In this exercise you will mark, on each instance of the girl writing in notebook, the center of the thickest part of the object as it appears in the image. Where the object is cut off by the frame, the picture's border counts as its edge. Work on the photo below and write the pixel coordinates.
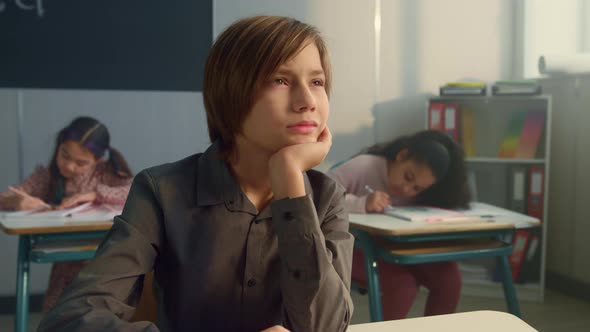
(83, 168)
(245, 236)
(426, 168)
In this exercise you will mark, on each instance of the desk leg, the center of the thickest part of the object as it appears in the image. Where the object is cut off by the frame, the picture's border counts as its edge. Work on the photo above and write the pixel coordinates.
(22, 284)
(374, 290)
(509, 290)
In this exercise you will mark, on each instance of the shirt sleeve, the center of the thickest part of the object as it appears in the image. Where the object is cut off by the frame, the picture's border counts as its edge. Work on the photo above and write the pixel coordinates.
(104, 294)
(112, 189)
(316, 254)
(345, 175)
(36, 184)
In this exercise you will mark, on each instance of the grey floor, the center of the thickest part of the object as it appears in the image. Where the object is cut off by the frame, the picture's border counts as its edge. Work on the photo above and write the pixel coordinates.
(557, 314)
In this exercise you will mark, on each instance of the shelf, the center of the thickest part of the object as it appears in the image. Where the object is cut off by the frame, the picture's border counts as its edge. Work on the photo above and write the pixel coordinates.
(490, 98)
(492, 121)
(504, 160)
(493, 289)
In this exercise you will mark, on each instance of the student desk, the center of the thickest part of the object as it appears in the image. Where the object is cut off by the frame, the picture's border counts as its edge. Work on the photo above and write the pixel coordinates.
(403, 242)
(77, 238)
(481, 321)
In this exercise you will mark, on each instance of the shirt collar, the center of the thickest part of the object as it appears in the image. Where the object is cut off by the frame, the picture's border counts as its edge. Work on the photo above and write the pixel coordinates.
(216, 184)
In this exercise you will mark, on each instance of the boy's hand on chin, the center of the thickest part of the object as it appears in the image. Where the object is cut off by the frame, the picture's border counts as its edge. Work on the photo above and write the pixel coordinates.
(287, 165)
(303, 156)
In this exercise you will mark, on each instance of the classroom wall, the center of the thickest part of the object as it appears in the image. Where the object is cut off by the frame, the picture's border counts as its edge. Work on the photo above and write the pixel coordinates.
(427, 43)
(376, 96)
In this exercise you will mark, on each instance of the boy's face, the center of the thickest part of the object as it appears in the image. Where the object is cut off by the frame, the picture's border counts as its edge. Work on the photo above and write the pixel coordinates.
(292, 106)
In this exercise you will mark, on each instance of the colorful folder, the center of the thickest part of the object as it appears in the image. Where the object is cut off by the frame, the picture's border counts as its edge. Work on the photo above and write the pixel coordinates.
(519, 246)
(536, 191)
(517, 188)
(451, 120)
(511, 140)
(444, 117)
(531, 135)
(436, 116)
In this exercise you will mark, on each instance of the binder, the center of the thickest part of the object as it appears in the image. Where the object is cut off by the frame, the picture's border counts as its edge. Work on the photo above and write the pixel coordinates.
(531, 135)
(436, 116)
(451, 120)
(516, 87)
(519, 246)
(472, 184)
(536, 191)
(464, 88)
(517, 188)
(530, 268)
(512, 137)
(467, 132)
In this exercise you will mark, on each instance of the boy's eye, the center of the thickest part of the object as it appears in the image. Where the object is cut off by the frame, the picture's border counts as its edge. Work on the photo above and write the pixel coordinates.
(318, 82)
(280, 81)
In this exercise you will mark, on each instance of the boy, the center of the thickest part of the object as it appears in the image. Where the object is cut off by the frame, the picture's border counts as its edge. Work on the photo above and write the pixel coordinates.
(243, 237)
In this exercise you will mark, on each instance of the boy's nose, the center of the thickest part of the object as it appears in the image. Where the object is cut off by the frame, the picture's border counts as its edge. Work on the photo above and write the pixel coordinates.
(304, 100)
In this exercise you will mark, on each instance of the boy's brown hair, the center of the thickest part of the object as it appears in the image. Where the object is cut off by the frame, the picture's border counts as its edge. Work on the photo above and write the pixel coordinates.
(244, 56)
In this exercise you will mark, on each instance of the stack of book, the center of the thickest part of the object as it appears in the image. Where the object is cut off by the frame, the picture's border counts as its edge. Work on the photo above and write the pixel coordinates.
(463, 89)
(516, 87)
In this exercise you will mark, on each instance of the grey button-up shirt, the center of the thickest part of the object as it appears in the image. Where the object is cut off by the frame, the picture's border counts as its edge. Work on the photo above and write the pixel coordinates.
(219, 264)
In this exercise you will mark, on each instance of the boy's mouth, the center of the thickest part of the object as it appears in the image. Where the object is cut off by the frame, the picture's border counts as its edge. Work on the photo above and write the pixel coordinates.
(303, 127)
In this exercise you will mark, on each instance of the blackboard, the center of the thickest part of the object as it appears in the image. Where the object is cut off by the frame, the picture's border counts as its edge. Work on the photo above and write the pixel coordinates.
(104, 44)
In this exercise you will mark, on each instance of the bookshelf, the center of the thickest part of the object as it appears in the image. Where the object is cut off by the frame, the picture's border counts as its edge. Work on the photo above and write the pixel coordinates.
(491, 129)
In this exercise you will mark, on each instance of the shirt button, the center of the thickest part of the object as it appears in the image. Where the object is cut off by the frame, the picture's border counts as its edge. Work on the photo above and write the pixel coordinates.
(288, 216)
(297, 274)
(251, 283)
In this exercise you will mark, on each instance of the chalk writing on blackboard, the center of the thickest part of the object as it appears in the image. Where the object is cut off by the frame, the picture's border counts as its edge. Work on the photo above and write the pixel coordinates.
(36, 5)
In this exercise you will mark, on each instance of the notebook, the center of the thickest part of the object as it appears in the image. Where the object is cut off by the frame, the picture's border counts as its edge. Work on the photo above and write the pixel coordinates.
(45, 213)
(433, 214)
(83, 211)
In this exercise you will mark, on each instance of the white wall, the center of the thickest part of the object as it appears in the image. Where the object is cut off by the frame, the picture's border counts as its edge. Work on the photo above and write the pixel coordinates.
(553, 27)
(427, 43)
(423, 44)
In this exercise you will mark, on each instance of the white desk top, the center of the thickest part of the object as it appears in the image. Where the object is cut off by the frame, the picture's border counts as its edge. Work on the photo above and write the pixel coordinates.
(480, 321)
(382, 224)
(99, 219)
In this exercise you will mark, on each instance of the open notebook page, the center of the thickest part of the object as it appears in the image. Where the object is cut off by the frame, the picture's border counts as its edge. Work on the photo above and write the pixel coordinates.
(422, 213)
